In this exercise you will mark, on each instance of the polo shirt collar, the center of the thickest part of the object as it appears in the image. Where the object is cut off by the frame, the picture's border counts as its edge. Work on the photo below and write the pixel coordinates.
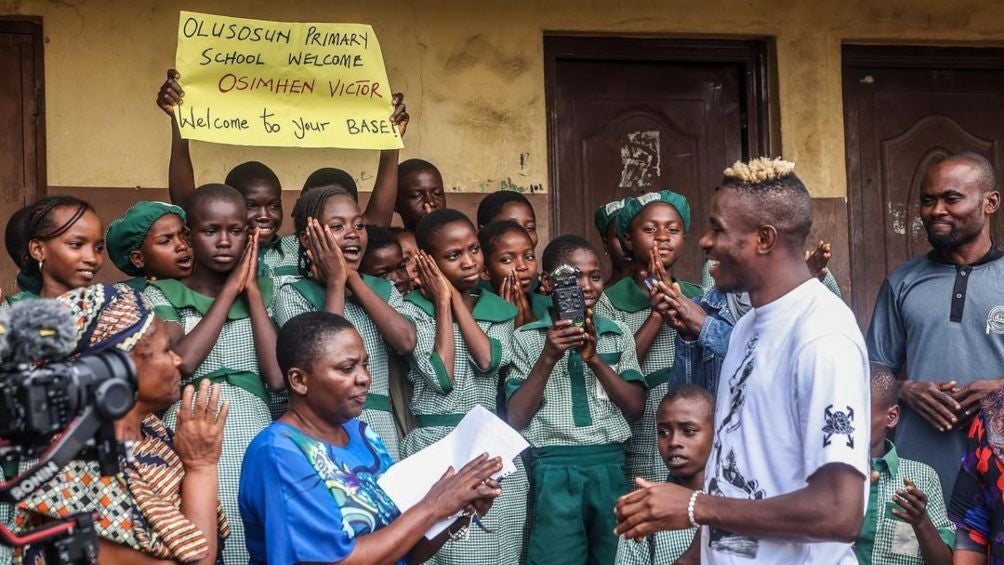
(603, 325)
(489, 307)
(888, 463)
(992, 255)
(627, 296)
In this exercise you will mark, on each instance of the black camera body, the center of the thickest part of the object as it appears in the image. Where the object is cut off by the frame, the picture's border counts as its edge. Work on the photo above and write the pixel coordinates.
(567, 296)
(36, 403)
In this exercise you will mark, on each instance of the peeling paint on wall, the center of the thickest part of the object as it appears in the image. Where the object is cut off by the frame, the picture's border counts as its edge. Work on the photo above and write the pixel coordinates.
(640, 166)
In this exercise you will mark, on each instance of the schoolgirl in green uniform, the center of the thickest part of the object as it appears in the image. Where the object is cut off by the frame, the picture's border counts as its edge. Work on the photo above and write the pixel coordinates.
(511, 269)
(464, 340)
(572, 391)
(652, 228)
(220, 325)
(333, 240)
(150, 242)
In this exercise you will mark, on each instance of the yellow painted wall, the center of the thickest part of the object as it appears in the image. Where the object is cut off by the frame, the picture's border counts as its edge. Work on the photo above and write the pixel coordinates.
(472, 73)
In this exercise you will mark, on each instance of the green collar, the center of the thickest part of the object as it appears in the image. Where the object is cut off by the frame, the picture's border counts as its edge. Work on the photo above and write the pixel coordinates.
(489, 307)
(315, 293)
(23, 295)
(180, 296)
(137, 283)
(888, 462)
(627, 296)
(603, 325)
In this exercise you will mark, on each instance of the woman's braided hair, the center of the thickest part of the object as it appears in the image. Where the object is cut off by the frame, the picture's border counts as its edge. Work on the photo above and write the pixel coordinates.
(40, 225)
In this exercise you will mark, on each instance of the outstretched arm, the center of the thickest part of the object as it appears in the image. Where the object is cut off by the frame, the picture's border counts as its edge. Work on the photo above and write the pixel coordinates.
(380, 208)
(180, 175)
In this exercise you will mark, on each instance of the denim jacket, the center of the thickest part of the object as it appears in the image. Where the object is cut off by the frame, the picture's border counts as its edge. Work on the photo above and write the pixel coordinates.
(699, 362)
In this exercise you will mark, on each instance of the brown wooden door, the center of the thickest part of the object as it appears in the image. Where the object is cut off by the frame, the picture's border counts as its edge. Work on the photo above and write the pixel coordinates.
(22, 126)
(630, 115)
(903, 108)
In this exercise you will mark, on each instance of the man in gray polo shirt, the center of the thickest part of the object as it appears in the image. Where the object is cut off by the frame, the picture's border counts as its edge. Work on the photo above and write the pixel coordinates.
(939, 318)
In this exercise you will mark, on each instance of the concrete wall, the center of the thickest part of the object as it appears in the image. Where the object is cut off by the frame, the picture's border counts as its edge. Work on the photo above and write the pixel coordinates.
(472, 73)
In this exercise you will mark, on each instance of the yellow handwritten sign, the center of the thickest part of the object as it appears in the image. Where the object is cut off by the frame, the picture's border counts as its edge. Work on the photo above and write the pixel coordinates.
(252, 82)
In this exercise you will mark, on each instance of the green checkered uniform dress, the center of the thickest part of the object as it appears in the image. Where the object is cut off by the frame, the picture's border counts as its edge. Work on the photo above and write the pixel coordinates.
(435, 396)
(305, 295)
(884, 538)
(280, 259)
(661, 548)
(575, 413)
(628, 304)
(235, 354)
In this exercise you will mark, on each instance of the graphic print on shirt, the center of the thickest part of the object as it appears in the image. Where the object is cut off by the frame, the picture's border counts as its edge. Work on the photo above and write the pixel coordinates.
(727, 469)
(838, 423)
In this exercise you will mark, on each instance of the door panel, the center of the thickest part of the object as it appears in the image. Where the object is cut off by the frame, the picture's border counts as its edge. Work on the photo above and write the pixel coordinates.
(631, 119)
(904, 108)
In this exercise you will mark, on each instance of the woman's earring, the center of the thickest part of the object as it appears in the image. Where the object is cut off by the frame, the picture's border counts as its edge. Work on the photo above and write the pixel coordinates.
(40, 265)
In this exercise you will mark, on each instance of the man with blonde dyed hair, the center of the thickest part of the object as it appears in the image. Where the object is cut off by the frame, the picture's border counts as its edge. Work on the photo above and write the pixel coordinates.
(791, 450)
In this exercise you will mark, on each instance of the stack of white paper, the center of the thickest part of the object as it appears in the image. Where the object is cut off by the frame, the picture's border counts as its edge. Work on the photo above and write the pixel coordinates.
(409, 480)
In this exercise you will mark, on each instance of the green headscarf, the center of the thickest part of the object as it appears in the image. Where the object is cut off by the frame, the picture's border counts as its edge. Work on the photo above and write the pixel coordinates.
(634, 206)
(606, 214)
(126, 234)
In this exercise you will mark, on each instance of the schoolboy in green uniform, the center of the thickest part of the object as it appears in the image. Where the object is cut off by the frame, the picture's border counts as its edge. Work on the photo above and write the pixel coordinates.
(653, 229)
(464, 340)
(150, 242)
(572, 391)
(330, 226)
(685, 424)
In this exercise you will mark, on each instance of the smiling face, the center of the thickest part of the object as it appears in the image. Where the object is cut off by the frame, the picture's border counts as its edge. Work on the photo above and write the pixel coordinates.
(218, 234)
(590, 274)
(165, 253)
(158, 368)
(659, 226)
(336, 385)
(523, 215)
(419, 193)
(730, 242)
(458, 254)
(264, 208)
(512, 251)
(953, 206)
(388, 262)
(341, 214)
(685, 429)
(73, 258)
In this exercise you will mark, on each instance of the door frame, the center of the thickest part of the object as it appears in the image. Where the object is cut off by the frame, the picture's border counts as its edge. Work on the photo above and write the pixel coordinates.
(760, 107)
(32, 26)
(855, 56)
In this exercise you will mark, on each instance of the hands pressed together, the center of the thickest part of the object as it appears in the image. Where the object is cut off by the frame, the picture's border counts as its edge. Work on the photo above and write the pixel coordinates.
(946, 406)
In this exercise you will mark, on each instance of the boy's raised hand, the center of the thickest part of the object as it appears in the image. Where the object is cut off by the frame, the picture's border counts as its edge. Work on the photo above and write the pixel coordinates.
(588, 348)
(562, 336)
(434, 283)
(912, 504)
(238, 277)
(818, 258)
(251, 275)
(399, 117)
(171, 94)
(327, 262)
(686, 316)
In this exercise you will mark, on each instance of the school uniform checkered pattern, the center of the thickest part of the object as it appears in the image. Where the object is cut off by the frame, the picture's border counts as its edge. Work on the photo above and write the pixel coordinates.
(661, 548)
(289, 302)
(280, 260)
(469, 387)
(235, 349)
(554, 424)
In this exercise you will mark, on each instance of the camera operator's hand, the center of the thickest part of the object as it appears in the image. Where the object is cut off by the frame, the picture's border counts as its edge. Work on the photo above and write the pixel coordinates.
(198, 436)
(561, 337)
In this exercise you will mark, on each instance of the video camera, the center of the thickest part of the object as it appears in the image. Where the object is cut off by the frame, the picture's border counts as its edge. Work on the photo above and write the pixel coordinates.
(42, 397)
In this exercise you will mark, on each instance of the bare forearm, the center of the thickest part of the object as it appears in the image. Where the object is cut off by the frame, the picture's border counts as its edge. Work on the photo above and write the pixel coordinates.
(932, 547)
(525, 402)
(478, 344)
(646, 335)
(967, 557)
(389, 545)
(629, 397)
(380, 208)
(395, 328)
(822, 512)
(180, 174)
(199, 504)
(334, 299)
(445, 347)
(194, 347)
(264, 341)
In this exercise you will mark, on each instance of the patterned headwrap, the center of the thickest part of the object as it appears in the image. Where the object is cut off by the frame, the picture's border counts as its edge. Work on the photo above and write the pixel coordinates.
(107, 316)
(634, 206)
(126, 234)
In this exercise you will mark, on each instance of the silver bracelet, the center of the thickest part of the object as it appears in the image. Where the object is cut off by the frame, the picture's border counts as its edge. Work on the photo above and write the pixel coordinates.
(690, 508)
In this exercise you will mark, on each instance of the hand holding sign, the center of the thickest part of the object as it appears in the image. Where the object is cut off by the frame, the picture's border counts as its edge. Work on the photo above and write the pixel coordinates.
(253, 82)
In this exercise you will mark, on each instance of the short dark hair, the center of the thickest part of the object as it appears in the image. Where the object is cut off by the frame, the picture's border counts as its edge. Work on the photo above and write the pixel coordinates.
(692, 393)
(491, 206)
(39, 224)
(775, 195)
(433, 222)
(241, 176)
(310, 204)
(560, 248)
(490, 234)
(301, 340)
(379, 238)
(330, 176)
(212, 193)
(885, 386)
(984, 169)
(410, 166)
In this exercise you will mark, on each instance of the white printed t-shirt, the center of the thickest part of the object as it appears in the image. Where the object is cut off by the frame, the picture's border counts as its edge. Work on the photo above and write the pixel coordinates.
(793, 396)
